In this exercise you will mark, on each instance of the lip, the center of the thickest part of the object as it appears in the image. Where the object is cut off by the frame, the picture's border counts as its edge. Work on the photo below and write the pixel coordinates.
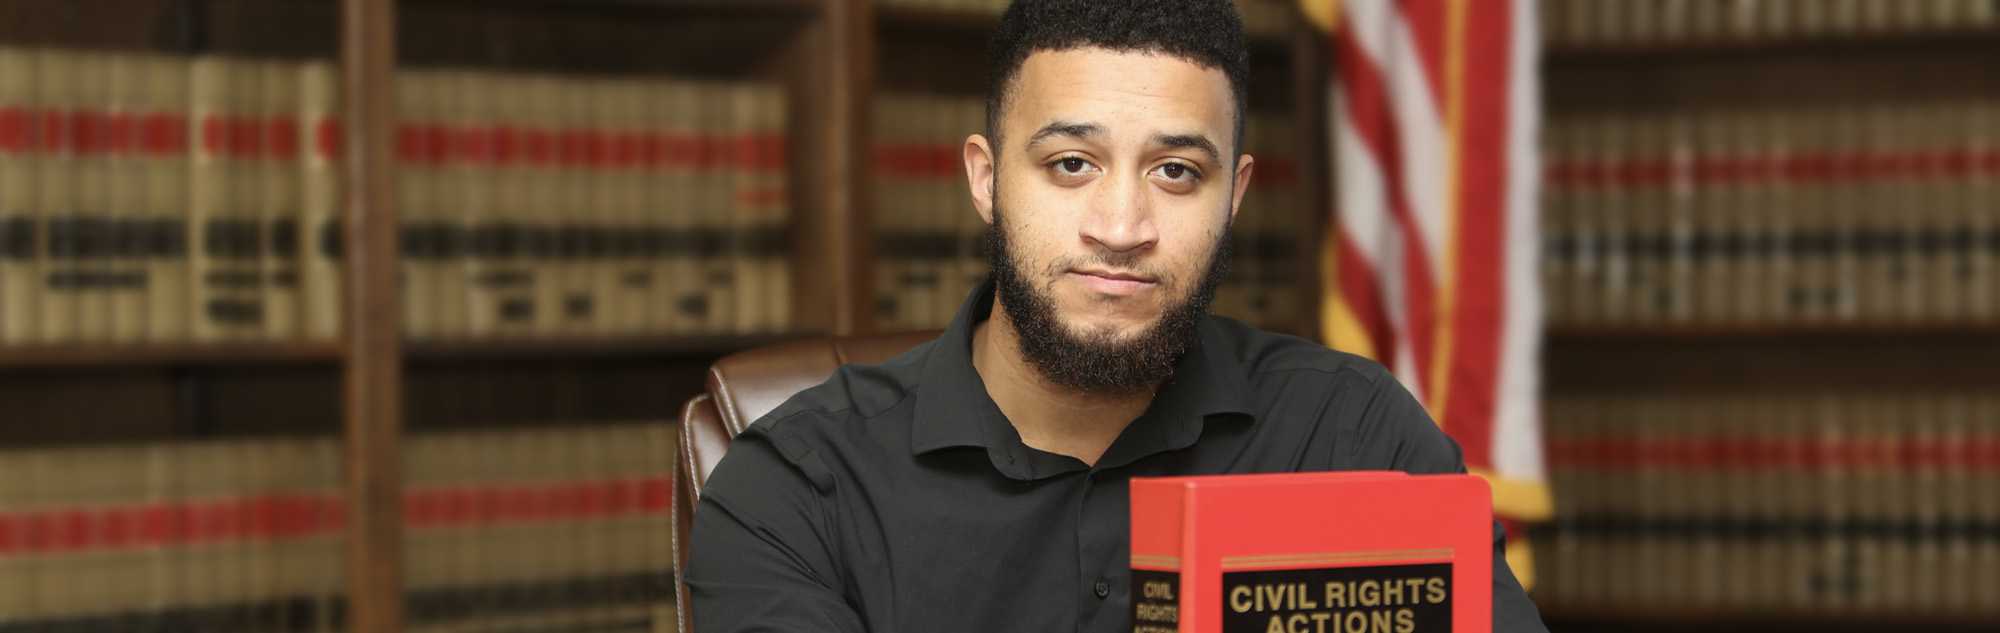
(1113, 282)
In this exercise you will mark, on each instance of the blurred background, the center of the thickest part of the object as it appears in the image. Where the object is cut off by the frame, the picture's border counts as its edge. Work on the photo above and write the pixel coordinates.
(1767, 265)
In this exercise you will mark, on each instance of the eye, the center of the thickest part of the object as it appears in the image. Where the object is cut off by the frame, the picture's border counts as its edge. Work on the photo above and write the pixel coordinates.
(1177, 176)
(1071, 165)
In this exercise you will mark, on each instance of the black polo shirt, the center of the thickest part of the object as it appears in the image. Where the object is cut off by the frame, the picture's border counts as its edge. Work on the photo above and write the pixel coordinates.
(896, 497)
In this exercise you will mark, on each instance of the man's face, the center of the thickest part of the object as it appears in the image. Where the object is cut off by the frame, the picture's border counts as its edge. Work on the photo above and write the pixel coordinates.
(1119, 185)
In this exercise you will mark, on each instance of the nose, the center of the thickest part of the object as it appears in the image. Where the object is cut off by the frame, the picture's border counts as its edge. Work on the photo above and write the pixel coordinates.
(1121, 217)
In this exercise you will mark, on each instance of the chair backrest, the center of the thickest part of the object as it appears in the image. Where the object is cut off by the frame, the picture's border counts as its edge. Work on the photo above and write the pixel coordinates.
(743, 387)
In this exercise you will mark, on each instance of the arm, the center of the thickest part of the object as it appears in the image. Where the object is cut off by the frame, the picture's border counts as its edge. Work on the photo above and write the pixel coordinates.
(1395, 427)
(760, 558)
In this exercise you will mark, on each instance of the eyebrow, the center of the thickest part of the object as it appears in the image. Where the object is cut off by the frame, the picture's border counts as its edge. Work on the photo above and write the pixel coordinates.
(1092, 131)
(1189, 141)
(1065, 128)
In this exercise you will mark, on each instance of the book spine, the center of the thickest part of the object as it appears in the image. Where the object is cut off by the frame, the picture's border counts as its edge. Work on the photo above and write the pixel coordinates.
(1163, 597)
(59, 77)
(166, 229)
(20, 226)
(713, 207)
(483, 269)
(319, 229)
(281, 204)
(509, 275)
(416, 194)
(126, 275)
(445, 225)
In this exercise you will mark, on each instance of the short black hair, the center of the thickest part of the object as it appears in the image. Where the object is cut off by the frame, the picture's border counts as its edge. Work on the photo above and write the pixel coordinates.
(1208, 33)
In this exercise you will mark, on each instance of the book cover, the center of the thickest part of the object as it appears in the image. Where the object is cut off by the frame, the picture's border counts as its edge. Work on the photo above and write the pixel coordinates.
(1351, 551)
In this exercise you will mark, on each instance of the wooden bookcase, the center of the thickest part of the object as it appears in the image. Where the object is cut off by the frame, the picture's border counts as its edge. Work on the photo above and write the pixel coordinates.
(371, 386)
(1668, 359)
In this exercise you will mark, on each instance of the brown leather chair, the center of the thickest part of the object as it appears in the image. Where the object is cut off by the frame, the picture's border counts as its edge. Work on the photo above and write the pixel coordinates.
(743, 387)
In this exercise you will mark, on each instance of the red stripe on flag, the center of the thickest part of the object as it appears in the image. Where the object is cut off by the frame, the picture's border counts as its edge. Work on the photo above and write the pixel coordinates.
(1358, 287)
(1480, 282)
(1373, 123)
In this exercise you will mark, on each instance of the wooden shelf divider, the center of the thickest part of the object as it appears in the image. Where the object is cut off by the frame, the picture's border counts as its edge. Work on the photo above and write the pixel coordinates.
(372, 375)
(111, 355)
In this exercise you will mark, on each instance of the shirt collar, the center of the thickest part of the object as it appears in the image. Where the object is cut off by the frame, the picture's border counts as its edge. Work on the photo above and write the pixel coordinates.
(953, 410)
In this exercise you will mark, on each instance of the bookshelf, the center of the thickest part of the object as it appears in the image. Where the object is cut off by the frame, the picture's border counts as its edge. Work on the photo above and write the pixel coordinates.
(1876, 408)
(375, 391)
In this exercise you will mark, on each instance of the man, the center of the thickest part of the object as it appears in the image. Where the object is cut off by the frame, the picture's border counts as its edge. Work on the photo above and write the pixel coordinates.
(979, 482)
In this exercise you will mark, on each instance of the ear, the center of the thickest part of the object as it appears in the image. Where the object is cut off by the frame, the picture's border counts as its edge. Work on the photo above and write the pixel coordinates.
(979, 174)
(1244, 166)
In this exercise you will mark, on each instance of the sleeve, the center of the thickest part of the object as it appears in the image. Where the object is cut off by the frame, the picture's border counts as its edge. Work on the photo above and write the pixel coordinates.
(1395, 433)
(759, 557)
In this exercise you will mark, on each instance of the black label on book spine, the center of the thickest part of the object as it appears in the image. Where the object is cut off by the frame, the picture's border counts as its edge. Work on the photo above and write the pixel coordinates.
(1156, 605)
(1373, 599)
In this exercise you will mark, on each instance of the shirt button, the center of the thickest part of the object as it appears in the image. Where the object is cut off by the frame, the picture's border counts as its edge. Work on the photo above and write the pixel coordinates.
(1103, 589)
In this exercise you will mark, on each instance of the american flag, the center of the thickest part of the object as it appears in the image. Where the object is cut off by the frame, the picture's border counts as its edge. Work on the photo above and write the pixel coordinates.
(1431, 259)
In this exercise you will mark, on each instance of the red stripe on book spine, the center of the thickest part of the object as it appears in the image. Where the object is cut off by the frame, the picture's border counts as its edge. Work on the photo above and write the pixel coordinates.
(124, 128)
(92, 133)
(326, 138)
(281, 136)
(17, 130)
(58, 131)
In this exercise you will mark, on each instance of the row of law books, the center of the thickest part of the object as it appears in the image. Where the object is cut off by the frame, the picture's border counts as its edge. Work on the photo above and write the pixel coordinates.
(1774, 502)
(930, 248)
(1260, 17)
(1627, 22)
(1871, 214)
(541, 205)
(538, 530)
(161, 199)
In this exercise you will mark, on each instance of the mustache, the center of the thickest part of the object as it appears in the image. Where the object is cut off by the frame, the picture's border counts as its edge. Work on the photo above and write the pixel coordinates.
(1106, 258)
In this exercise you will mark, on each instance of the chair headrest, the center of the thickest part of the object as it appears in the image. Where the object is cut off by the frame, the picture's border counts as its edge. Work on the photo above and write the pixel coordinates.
(749, 384)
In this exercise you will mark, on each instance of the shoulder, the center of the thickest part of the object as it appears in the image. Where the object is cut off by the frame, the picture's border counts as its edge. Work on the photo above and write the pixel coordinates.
(1266, 354)
(844, 414)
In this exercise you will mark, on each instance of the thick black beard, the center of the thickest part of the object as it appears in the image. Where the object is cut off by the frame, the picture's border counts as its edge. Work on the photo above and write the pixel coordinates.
(1095, 362)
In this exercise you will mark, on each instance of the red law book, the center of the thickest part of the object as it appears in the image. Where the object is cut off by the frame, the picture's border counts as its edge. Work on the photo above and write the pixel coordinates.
(1344, 552)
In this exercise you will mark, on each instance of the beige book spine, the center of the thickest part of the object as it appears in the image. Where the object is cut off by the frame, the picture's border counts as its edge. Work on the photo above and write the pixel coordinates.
(77, 575)
(767, 205)
(625, 280)
(551, 209)
(677, 192)
(715, 208)
(580, 256)
(19, 575)
(280, 203)
(167, 244)
(161, 464)
(57, 73)
(1580, 278)
(416, 193)
(657, 207)
(452, 196)
(208, 164)
(86, 271)
(1615, 204)
(20, 225)
(1558, 242)
(319, 197)
(261, 555)
(514, 277)
(126, 278)
(482, 268)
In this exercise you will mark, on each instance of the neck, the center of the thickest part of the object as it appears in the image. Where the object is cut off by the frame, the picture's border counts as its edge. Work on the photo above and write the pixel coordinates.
(1049, 417)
